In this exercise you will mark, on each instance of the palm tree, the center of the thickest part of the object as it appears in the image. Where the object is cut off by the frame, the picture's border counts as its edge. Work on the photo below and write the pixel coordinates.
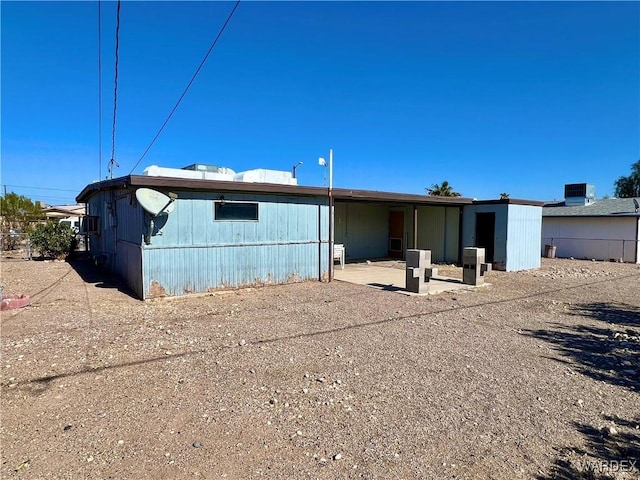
(443, 190)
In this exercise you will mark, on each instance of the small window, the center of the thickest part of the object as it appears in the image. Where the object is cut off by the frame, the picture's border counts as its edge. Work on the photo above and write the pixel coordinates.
(236, 211)
(395, 244)
(90, 224)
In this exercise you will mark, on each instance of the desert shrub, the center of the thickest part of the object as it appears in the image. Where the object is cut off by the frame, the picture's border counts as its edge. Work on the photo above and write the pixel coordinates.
(53, 239)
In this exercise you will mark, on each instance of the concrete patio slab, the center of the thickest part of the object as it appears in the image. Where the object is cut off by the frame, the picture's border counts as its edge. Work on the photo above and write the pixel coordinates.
(393, 279)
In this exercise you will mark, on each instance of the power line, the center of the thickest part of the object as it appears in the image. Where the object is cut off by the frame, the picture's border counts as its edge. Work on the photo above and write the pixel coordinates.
(175, 107)
(99, 93)
(40, 188)
(49, 199)
(113, 162)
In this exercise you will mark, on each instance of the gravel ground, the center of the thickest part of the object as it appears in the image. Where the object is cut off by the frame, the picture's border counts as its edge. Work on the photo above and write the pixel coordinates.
(536, 376)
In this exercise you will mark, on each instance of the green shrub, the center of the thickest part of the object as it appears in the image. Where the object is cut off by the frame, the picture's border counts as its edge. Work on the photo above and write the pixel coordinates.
(53, 239)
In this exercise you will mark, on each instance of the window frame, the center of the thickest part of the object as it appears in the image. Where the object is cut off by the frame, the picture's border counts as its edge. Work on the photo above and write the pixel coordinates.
(218, 204)
(90, 225)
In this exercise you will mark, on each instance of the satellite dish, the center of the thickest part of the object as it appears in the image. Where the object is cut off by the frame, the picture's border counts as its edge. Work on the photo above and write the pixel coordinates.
(155, 202)
(635, 204)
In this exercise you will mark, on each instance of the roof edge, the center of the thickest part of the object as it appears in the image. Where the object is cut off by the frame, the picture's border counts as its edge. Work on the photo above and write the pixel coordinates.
(510, 201)
(363, 195)
(176, 183)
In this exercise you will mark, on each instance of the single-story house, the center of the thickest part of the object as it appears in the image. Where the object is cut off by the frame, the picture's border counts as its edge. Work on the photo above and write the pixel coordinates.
(583, 227)
(69, 214)
(230, 233)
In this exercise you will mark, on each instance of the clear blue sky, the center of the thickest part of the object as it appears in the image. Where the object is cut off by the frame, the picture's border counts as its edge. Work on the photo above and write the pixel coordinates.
(518, 97)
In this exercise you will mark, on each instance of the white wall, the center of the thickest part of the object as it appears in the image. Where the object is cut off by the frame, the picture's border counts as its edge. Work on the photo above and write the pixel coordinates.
(599, 238)
(523, 237)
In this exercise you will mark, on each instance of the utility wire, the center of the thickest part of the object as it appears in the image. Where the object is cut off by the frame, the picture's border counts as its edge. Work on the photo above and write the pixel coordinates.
(113, 162)
(175, 107)
(99, 93)
(40, 188)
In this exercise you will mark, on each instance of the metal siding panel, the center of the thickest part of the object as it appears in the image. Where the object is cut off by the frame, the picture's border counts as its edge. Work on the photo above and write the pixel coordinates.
(183, 211)
(94, 207)
(200, 269)
(201, 218)
(128, 265)
(340, 222)
(500, 236)
(452, 234)
(431, 231)
(269, 219)
(249, 253)
(365, 232)
(131, 219)
(524, 225)
(282, 222)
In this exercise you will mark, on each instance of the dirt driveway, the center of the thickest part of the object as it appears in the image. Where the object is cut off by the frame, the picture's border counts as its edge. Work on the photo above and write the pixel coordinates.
(536, 376)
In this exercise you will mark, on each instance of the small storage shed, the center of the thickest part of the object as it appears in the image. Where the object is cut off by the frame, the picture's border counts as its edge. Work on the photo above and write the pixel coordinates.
(508, 229)
(219, 234)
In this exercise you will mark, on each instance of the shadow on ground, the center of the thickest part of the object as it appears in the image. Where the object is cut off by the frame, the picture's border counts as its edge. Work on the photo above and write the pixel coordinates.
(611, 451)
(98, 277)
(39, 385)
(605, 352)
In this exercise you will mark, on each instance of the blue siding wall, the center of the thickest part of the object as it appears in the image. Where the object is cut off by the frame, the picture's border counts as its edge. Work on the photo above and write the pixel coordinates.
(500, 236)
(121, 228)
(524, 237)
(192, 252)
(517, 234)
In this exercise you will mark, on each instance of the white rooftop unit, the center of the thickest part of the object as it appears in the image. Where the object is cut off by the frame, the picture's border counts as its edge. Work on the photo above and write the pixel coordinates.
(259, 175)
(223, 173)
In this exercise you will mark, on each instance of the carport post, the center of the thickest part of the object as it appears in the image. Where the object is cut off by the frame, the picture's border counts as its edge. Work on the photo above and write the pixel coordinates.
(330, 193)
(322, 162)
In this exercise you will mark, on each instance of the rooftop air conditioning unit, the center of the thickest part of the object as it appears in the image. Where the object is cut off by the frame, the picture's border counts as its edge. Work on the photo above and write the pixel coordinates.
(579, 194)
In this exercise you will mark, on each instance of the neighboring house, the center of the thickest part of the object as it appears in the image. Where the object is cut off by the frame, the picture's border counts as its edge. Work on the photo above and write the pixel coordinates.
(224, 233)
(583, 227)
(69, 214)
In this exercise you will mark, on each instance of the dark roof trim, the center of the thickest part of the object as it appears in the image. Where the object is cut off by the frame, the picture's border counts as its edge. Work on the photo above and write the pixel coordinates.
(190, 184)
(173, 183)
(510, 201)
(367, 195)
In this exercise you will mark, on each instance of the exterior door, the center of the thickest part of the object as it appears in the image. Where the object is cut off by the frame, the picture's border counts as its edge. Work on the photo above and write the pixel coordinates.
(396, 234)
(485, 234)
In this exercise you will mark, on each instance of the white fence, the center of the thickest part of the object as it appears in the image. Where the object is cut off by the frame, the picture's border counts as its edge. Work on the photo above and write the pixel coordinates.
(594, 248)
